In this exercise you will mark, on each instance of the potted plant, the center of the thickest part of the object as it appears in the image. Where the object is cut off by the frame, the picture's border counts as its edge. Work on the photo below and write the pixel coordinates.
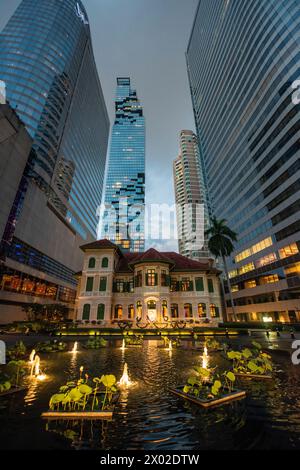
(84, 399)
(208, 389)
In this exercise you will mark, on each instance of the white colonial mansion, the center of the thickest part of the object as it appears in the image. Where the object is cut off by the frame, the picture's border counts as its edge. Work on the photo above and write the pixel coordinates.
(145, 289)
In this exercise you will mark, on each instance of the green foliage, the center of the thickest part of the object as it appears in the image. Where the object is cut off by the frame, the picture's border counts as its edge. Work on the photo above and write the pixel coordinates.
(83, 396)
(96, 343)
(134, 340)
(221, 238)
(213, 345)
(251, 361)
(215, 389)
(5, 386)
(205, 385)
(46, 312)
(51, 346)
(15, 370)
(18, 351)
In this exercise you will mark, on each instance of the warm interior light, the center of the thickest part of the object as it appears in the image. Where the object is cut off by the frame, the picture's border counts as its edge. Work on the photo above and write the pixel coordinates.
(125, 380)
(267, 319)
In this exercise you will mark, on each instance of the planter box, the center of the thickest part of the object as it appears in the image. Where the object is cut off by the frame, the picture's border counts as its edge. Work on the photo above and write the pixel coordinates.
(253, 376)
(107, 414)
(101, 414)
(235, 395)
(13, 390)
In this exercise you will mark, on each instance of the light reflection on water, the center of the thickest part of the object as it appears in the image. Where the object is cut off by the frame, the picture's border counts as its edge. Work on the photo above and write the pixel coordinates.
(148, 416)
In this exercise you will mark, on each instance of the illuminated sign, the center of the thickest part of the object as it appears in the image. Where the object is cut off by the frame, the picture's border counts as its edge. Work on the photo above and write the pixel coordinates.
(80, 14)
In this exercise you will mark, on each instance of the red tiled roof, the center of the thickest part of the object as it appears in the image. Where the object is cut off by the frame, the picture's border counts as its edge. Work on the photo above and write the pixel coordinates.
(151, 255)
(178, 262)
(124, 262)
(183, 263)
(99, 244)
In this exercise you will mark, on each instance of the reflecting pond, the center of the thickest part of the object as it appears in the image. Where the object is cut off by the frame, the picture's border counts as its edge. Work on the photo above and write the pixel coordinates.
(148, 416)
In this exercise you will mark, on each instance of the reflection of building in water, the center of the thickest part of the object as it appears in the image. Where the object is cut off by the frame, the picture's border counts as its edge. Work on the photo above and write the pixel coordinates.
(148, 287)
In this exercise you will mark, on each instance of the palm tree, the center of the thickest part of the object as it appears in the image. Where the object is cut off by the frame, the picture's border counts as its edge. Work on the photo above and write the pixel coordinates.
(220, 244)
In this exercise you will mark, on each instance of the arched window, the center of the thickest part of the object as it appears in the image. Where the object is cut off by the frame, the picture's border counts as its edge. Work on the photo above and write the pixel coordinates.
(214, 311)
(104, 263)
(139, 309)
(100, 312)
(131, 312)
(188, 310)
(92, 263)
(202, 310)
(86, 312)
(118, 312)
(174, 310)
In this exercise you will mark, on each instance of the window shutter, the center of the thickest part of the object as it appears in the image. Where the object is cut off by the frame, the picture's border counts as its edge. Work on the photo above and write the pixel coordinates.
(103, 284)
(210, 285)
(100, 312)
(191, 286)
(199, 284)
(89, 284)
(86, 312)
(156, 279)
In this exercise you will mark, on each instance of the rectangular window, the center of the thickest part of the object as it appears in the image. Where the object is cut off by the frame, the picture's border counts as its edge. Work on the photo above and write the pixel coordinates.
(199, 284)
(165, 279)
(269, 279)
(250, 284)
(138, 280)
(151, 278)
(262, 245)
(174, 285)
(103, 282)
(210, 285)
(119, 285)
(89, 284)
(185, 285)
(233, 273)
(293, 270)
(254, 249)
(246, 268)
(100, 312)
(268, 259)
(288, 250)
(235, 288)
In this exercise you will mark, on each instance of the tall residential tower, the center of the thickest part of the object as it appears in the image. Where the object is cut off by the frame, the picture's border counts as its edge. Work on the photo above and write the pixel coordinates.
(123, 217)
(47, 64)
(190, 195)
(243, 63)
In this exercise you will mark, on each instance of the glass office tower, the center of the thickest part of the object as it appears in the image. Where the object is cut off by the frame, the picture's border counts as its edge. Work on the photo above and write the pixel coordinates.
(123, 219)
(243, 62)
(47, 63)
(48, 66)
(191, 200)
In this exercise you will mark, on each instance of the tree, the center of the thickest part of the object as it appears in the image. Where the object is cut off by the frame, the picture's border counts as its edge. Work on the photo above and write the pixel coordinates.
(46, 312)
(220, 244)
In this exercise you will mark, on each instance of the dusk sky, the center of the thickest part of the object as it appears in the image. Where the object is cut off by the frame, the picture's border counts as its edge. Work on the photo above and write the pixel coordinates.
(146, 40)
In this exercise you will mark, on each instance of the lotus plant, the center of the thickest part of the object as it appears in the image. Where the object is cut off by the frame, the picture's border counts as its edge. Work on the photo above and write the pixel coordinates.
(81, 396)
(251, 361)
